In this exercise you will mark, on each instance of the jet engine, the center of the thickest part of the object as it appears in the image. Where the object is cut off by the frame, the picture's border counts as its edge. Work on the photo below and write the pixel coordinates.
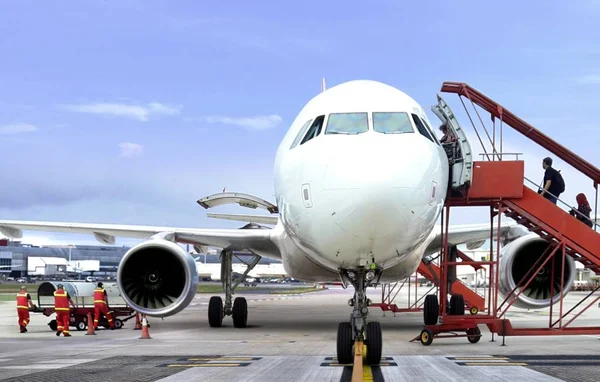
(157, 278)
(518, 257)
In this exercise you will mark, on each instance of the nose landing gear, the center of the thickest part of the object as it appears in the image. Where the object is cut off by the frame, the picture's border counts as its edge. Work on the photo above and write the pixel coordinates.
(358, 330)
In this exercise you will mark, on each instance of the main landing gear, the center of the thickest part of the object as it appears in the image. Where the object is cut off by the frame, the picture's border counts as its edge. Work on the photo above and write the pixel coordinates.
(239, 309)
(358, 330)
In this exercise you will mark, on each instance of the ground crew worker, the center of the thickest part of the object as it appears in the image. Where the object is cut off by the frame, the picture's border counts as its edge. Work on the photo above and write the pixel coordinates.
(101, 306)
(62, 299)
(23, 305)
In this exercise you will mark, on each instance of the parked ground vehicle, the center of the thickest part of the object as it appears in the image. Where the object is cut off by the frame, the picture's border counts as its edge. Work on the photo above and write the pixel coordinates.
(82, 294)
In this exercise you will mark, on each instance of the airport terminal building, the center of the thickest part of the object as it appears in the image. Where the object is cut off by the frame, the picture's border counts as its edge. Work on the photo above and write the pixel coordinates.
(26, 261)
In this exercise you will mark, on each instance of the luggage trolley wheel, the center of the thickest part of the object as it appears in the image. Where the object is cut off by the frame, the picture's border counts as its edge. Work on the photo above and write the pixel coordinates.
(426, 337)
(80, 325)
(473, 310)
(118, 323)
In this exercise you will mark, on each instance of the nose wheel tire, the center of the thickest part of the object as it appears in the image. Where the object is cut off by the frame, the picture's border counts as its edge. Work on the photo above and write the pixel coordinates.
(374, 343)
(240, 312)
(215, 312)
(344, 343)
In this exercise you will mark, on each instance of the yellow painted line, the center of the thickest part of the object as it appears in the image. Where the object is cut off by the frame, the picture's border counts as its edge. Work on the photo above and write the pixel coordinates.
(347, 364)
(203, 364)
(357, 370)
(367, 373)
(222, 359)
(495, 364)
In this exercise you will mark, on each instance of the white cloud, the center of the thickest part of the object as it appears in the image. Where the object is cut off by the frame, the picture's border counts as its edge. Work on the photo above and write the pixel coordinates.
(139, 112)
(257, 123)
(592, 79)
(129, 149)
(17, 128)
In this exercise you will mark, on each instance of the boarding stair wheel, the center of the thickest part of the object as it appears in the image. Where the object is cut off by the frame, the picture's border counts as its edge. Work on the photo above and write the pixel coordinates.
(426, 337)
(474, 335)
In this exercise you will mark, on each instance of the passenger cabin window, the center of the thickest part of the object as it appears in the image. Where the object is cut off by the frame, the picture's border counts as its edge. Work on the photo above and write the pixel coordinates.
(347, 123)
(301, 133)
(392, 123)
(315, 129)
(421, 127)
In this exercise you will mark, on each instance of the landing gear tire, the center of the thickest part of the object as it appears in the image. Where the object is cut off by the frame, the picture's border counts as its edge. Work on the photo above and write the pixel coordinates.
(457, 305)
(426, 337)
(52, 325)
(80, 325)
(431, 310)
(374, 343)
(344, 343)
(473, 335)
(215, 312)
(240, 312)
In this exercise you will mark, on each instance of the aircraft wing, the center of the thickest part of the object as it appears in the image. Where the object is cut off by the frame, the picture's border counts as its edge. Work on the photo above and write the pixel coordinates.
(259, 219)
(474, 235)
(254, 240)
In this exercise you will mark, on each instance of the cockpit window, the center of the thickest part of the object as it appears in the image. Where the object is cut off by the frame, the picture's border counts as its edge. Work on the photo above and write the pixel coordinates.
(421, 127)
(301, 133)
(430, 130)
(392, 123)
(315, 129)
(347, 123)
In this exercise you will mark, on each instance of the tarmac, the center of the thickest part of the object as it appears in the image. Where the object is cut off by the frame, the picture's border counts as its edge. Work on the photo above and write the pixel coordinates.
(290, 338)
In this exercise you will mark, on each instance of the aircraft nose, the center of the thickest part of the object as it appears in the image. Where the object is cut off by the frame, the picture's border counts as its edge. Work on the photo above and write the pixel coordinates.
(374, 213)
(379, 191)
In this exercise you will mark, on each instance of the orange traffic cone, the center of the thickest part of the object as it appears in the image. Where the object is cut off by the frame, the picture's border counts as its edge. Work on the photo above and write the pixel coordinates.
(90, 326)
(138, 323)
(145, 334)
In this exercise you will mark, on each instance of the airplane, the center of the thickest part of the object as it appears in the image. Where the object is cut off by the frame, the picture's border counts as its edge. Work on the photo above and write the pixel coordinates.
(261, 271)
(360, 180)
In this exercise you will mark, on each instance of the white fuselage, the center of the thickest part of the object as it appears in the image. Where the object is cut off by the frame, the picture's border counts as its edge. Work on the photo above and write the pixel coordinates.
(363, 190)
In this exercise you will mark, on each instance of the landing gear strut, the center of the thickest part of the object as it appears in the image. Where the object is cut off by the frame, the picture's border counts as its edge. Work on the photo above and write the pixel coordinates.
(358, 329)
(239, 309)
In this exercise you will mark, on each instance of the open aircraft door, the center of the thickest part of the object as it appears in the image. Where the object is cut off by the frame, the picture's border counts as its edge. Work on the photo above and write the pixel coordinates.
(459, 154)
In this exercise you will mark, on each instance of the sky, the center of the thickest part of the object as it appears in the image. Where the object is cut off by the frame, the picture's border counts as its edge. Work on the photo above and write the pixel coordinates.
(130, 111)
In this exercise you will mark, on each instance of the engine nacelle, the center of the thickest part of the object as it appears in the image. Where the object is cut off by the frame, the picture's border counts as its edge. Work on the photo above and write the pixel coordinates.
(157, 278)
(518, 257)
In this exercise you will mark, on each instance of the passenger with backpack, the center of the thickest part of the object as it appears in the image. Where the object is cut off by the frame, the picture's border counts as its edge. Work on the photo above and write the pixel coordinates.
(554, 184)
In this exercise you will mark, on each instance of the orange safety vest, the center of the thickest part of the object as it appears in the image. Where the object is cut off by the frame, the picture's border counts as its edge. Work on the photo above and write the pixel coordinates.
(99, 296)
(22, 302)
(61, 302)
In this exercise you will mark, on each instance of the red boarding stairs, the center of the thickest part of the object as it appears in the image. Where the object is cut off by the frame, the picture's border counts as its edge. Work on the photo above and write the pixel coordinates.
(499, 184)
